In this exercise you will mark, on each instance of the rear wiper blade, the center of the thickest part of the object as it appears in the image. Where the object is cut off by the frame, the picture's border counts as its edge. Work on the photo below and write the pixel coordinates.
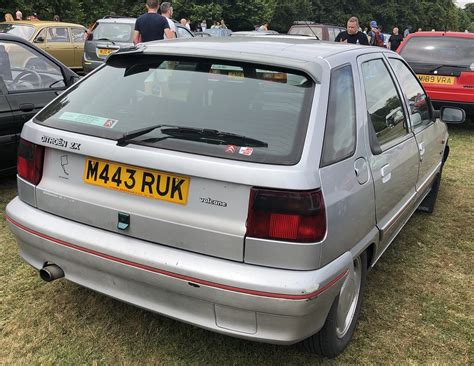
(106, 39)
(128, 136)
(447, 65)
(192, 134)
(211, 136)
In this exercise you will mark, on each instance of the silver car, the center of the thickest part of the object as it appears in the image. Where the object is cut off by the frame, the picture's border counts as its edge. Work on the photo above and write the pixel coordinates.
(113, 33)
(244, 186)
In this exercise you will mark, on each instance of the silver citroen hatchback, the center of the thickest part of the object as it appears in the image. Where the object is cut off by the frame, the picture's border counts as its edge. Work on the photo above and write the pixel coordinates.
(243, 185)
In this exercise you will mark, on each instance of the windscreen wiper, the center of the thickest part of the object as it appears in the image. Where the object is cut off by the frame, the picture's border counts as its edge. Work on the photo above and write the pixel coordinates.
(447, 65)
(211, 136)
(127, 137)
(106, 39)
(192, 134)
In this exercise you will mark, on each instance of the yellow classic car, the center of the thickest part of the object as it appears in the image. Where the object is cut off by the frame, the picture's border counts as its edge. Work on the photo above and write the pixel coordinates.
(64, 41)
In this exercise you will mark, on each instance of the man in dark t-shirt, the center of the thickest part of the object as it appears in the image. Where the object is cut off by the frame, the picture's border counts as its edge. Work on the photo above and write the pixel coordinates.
(151, 26)
(395, 40)
(352, 34)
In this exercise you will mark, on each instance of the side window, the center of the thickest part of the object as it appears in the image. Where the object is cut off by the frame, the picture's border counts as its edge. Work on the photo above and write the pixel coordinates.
(340, 133)
(23, 69)
(58, 34)
(41, 36)
(414, 93)
(78, 35)
(183, 33)
(383, 103)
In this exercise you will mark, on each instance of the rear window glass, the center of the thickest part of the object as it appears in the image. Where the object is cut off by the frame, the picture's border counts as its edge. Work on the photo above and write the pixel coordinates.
(446, 50)
(307, 31)
(267, 109)
(22, 31)
(116, 32)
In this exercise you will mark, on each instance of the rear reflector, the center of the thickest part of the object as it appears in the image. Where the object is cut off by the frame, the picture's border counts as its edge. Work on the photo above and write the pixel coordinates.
(286, 215)
(30, 161)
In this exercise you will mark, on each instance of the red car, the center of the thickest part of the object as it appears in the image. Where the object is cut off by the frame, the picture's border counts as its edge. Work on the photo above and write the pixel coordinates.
(444, 63)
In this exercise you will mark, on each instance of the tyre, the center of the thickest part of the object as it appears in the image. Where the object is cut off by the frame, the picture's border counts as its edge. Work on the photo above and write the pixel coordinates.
(341, 322)
(429, 202)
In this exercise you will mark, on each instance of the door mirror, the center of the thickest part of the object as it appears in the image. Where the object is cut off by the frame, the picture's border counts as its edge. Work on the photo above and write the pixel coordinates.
(452, 115)
(74, 79)
(39, 39)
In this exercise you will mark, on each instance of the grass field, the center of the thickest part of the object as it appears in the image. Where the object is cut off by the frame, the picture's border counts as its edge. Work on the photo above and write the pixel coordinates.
(418, 308)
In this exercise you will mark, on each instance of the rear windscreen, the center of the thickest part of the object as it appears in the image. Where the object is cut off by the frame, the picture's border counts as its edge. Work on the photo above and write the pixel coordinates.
(253, 102)
(307, 31)
(116, 32)
(439, 50)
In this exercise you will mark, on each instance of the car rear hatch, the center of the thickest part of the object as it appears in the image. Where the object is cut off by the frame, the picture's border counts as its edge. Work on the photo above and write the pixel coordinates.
(444, 65)
(108, 37)
(184, 187)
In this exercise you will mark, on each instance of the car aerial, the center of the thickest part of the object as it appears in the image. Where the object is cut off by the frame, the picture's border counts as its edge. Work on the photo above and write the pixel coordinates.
(64, 41)
(29, 79)
(325, 32)
(111, 34)
(444, 63)
(220, 183)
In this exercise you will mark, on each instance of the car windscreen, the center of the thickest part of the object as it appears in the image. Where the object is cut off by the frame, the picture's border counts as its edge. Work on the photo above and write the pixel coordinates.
(115, 32)
(454, 51)
(233, 104)
(19, 30)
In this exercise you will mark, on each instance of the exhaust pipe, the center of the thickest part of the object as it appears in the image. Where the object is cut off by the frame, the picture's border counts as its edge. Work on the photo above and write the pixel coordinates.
(51, 272)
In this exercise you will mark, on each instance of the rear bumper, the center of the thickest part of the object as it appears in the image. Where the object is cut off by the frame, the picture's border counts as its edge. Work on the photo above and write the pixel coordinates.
(237, 299)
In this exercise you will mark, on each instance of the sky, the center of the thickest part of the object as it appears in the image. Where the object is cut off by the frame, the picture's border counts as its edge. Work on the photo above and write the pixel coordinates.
(461, 3)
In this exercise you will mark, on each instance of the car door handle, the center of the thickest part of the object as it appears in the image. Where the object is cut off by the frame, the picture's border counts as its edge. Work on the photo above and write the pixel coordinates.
(27, 107)
(386, 173)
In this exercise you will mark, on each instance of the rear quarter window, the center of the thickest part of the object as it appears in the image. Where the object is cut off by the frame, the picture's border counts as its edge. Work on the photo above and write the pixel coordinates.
(340, 133)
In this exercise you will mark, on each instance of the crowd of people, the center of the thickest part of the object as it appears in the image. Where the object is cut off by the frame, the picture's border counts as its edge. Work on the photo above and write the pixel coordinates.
(373, 36)
(157, 23)
(19, 16)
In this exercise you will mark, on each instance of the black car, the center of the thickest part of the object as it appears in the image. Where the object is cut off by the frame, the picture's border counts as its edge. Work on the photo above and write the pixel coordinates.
(29, 79)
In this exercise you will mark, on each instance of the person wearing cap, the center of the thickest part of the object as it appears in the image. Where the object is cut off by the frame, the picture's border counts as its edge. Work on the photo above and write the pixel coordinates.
(352, 34)
(375, 36)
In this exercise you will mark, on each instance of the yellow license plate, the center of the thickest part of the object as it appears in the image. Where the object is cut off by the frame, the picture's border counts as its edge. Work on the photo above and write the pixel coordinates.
(135, 180)
(436, 79)
(104, 51)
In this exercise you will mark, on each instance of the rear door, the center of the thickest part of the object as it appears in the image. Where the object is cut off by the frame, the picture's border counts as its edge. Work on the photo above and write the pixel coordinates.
(59, 45)
(393, 155)
(175, 187)
(8, 131)
(33, 83)
(78, 39)
(428, 133)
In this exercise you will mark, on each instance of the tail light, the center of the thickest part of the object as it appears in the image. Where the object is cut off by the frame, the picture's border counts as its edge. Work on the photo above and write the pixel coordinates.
(30, 161)
(286, 215)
